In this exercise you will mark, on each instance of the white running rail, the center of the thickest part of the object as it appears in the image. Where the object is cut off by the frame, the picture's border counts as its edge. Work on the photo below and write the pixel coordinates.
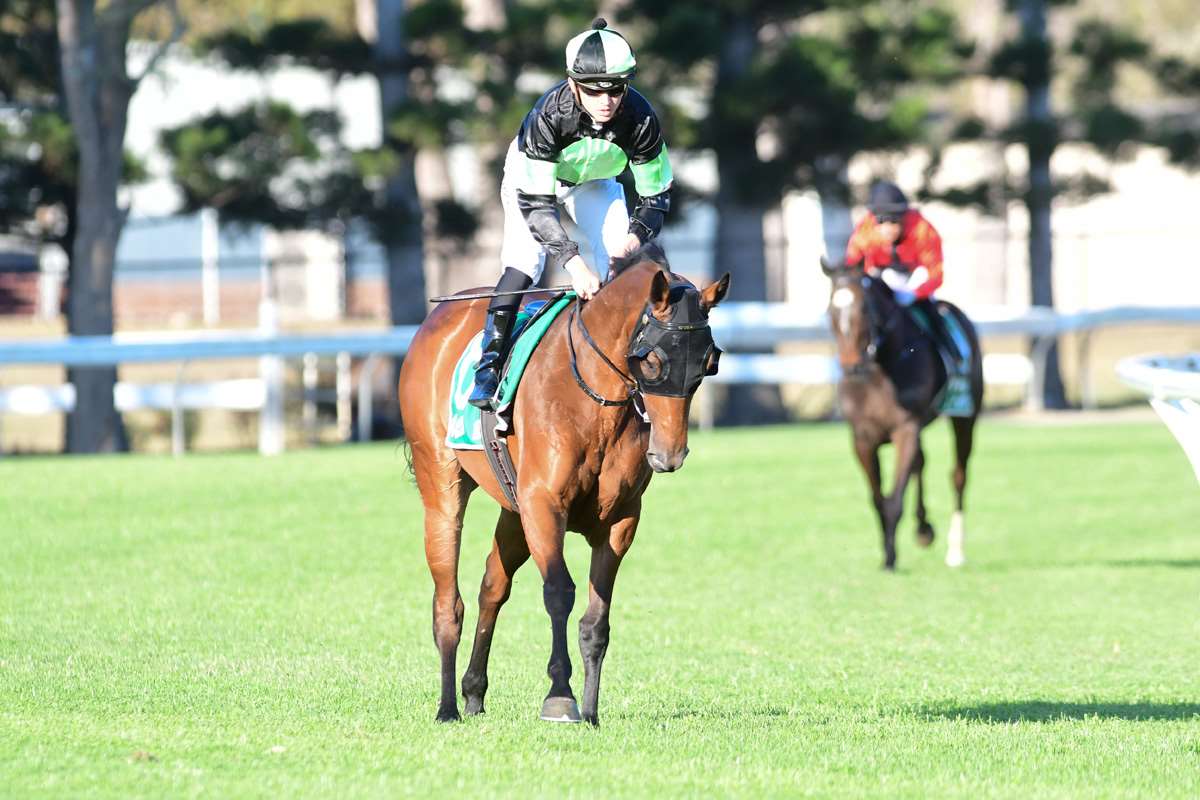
(1173, 385)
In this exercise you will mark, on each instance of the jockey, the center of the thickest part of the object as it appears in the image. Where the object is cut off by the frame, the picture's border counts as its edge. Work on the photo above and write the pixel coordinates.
(571, 147)
(896, 244)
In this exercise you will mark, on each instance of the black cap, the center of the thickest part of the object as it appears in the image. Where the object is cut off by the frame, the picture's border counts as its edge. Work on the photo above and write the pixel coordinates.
(886, 198)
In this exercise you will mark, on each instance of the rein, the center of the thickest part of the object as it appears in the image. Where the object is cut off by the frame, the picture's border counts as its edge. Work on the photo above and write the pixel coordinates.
(630, 384)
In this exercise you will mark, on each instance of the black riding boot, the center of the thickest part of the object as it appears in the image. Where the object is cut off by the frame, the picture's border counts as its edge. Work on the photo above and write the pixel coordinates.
(956, 400)
(497, 336)
(941, 335)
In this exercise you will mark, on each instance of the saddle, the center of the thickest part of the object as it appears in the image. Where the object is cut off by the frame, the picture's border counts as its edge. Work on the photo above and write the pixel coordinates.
(469, 428)
(954, 399)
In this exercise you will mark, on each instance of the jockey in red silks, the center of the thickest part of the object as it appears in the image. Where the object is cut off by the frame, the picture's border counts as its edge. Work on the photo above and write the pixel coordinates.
(896, 244)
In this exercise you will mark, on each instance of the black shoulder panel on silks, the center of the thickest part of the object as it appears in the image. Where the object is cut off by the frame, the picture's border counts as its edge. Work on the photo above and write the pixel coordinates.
(543, 132)
(645, 136)
(554, 123)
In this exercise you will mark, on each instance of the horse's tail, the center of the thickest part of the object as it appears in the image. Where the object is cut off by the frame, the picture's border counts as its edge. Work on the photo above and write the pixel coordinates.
(408, 459)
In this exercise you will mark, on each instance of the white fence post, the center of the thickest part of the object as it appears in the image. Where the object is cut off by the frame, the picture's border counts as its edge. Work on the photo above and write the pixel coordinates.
(210, 256)
(366, 399)
(270, 369)
(178, 440)
(344, 393)
(311, 378)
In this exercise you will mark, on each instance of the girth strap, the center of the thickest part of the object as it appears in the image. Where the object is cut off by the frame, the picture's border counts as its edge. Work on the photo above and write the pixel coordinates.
(496, 449)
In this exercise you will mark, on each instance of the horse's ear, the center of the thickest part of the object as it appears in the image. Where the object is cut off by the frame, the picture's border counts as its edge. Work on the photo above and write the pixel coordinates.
(660, 291)
(714, 293)
(827, 268)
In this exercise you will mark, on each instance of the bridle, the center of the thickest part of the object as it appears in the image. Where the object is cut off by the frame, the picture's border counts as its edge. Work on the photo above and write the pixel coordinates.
(678, 343)
(861, 369)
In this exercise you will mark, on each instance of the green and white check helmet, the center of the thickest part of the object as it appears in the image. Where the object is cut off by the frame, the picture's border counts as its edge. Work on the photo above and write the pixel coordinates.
(600, 57)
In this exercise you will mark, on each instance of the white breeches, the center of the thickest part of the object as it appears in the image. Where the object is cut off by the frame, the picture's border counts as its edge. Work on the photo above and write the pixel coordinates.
(596, 207)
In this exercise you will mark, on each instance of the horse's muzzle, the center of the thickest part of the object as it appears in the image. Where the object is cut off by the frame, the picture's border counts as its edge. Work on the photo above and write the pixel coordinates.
(666, 463)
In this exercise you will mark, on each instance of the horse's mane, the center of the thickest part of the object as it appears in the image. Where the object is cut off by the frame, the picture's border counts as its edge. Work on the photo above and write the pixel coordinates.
(650, 251)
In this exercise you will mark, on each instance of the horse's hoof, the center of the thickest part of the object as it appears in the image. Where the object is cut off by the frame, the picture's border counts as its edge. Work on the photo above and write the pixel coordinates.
(561, 709)
(592, 719)
(955, 559)
(886, 567)
(474, 706)
(448, 714)
(925, 535)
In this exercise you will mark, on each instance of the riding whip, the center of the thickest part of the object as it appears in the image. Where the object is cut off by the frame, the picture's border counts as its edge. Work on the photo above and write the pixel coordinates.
(450, 297)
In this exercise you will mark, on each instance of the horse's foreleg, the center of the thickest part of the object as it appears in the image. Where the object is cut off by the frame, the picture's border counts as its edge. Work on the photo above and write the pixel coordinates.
(964, 437)
(545, 527)
(445, 503)
(906, 440)
(509, 552)
(867, 451)
(924, 528)
(608, 548)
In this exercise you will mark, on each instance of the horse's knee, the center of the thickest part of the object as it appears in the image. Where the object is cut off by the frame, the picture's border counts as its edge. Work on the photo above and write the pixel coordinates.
(559, 597)
(448, 619)
(494, 592)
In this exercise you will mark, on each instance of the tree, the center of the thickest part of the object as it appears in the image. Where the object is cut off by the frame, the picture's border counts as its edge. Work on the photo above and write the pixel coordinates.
(97, 89)
(791, 92)
(37, 147)
(1088, 68)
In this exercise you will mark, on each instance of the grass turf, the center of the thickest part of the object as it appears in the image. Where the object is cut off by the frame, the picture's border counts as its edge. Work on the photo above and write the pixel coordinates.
(224, 625)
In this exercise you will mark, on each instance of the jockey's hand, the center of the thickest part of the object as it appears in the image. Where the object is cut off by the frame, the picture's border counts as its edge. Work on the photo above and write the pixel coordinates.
(895, 280)
(632, 243)
(583, 280)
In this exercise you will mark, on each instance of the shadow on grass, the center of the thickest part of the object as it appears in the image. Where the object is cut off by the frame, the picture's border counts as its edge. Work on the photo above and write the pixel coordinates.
(1051, 711)
(1120, 563)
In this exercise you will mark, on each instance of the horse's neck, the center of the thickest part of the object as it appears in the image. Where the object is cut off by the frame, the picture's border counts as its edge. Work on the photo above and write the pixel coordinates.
(610, 319)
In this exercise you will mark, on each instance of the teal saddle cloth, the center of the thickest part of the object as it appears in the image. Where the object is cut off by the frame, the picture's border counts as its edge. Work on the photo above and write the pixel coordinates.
(464, 431)
(955, 398)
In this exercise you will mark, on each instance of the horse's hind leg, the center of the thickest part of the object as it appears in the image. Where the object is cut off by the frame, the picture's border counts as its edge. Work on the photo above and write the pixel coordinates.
(509, 552)
(609, 546)
(924, 528)
(964, 438)
(444, 491)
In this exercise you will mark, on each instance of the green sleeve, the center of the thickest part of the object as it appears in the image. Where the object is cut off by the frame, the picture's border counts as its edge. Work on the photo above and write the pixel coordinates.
(654, 176)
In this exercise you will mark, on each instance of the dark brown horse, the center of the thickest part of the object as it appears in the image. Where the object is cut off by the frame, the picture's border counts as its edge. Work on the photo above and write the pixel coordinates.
(891, 376)
(583, 455)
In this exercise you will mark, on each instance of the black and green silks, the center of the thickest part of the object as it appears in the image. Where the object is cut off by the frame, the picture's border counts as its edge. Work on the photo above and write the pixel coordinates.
(559, 142)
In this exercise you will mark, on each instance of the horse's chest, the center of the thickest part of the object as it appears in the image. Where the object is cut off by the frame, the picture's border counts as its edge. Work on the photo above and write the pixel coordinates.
(622, 475)
(870, 404)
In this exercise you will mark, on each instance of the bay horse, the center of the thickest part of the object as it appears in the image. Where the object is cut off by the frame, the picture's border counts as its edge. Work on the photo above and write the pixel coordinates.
(587, 436)
(891, 376)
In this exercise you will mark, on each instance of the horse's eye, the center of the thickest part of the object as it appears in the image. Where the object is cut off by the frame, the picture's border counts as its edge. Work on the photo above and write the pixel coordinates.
(651, 367)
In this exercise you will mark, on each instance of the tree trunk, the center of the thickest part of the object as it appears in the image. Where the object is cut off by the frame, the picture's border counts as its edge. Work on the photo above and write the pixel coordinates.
(1041, 142)
(406, 277)
(98, 91)
(832, 182)
(402, 240)
(740, 245)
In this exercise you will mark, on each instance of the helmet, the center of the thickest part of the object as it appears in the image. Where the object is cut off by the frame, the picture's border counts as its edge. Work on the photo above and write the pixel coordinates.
(887, 199)
(600, 57)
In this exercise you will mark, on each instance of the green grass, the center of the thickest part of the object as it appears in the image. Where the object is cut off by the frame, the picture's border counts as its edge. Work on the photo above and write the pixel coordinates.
(262, 628)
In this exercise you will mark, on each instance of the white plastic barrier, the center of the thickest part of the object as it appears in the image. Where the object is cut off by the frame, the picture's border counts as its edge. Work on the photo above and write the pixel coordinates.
(1173, 385)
